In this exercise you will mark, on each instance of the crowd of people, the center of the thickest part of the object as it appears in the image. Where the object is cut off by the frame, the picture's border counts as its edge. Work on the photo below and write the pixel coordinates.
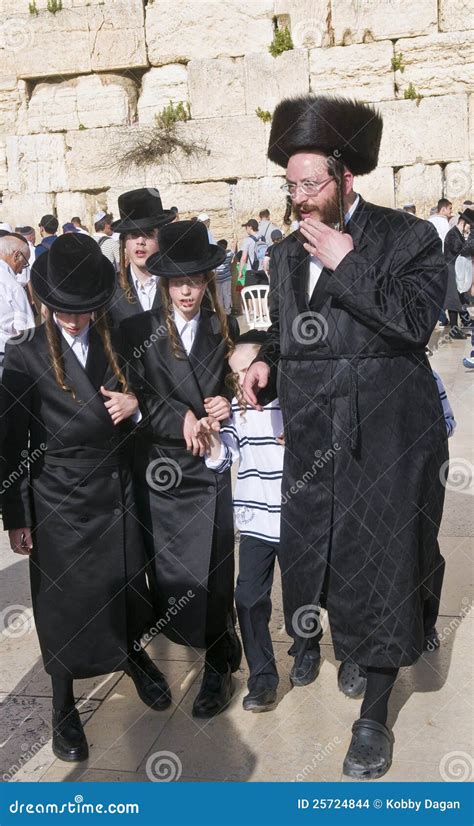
(128, 384)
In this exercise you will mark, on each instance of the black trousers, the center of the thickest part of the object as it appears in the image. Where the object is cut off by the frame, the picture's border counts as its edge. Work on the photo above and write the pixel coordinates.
(254, 609)
(219, 615)
(431, 603)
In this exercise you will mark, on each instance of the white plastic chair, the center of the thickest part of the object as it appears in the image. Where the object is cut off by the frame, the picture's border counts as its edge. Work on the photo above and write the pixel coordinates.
(255, 303)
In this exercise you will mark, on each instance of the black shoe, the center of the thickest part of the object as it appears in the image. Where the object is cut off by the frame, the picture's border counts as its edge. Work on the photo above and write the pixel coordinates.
(259, 699)
(370, 752)
(457, 334)
(235, 657)
(214, 695)
(306, 672)
(69, 741)
(152, 686)
(431, 641)
(351, 679)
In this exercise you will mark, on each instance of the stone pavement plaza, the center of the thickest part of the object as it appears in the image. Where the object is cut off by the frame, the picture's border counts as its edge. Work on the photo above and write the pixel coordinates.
(307, 735)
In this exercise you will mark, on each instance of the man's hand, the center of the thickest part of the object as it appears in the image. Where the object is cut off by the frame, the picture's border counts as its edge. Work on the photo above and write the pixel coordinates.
(256, 378)
(120, 405)
(218, 407)
(198, 445)
(21, 541)
(327, 244)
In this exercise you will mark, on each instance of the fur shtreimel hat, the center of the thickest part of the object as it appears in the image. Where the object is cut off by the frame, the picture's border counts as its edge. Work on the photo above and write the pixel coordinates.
(346, 129)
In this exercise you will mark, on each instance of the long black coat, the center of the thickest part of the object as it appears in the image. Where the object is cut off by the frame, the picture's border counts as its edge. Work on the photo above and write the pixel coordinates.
(365, 434)
(186, 509)
(453, 244)
(89, 592)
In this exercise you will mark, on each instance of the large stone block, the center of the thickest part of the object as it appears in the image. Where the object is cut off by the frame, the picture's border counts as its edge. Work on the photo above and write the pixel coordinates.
(377, 187)
(92, 156)
(24, 209)
(364, 20)
(10, 102)
(160, 86)
(419, 184)
(252, 195)
(85, 102)
(82, 204)
(3, 166)
(363, 71)
(216, 87)
(75, 40)
(459, 180)
(437, 64)
(36, 163)
(269, 79)
(178, 32)
(415, 133)
(235, 148)
(471, 125)
(455, 15)
(309, 22)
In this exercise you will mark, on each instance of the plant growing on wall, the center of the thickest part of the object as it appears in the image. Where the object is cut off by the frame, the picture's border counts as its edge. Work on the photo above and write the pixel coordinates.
(32, 8)
(281, 42)
(410, 93)
(157, 143)
(398, 63)
(263, 114)
(54, 6)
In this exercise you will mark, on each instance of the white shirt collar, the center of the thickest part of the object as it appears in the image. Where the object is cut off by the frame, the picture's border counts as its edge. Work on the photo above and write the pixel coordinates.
(348, 215)
(7, 270)
(82, 337)
(139, 285)
(182, 323)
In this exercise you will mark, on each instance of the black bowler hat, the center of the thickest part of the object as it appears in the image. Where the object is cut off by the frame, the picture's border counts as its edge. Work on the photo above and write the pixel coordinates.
(73, 276)
(467, 215)
(141, 209)
(184, 250)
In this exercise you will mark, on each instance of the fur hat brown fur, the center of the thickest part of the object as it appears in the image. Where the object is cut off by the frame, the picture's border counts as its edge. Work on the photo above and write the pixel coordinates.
(346, 129)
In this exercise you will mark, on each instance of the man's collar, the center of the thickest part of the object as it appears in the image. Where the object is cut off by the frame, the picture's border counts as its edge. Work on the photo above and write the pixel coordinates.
(82, 336)
(136, 280)
(348, 215)
(181, 322)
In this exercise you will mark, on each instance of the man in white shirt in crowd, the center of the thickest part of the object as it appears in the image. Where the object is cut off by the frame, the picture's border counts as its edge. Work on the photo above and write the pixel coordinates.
(204, 218)
(107, 240)
(442, 217)
(249, 244)
(16, 314)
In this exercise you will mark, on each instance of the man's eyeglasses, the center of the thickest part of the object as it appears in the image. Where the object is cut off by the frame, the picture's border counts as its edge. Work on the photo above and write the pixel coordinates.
(25, 259)
(307, 187)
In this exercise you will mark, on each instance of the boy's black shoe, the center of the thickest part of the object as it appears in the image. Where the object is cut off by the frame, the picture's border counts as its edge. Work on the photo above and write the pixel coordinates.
(306, 671)
(152, 686)
(260, 699)
(214, 695)
(69, 741)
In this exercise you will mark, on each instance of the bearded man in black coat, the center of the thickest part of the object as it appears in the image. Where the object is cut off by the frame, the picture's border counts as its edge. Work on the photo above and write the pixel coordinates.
(355, 294)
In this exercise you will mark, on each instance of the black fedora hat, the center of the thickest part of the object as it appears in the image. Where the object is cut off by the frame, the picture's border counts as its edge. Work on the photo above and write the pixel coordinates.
(467, 215)
(184, 250)
(141, 209)
(73, 276)
(346, 129)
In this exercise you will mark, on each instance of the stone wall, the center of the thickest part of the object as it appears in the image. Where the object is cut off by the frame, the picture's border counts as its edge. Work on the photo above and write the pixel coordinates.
(77, 84)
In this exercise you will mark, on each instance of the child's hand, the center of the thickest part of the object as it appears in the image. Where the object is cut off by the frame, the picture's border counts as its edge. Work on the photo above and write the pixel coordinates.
(218, 407)
(120, 405)
(196, 442)
(281, 439)
(21, 541)
(206, 426)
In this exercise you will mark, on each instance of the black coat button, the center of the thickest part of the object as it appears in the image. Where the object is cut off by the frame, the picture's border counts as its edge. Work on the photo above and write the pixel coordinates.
(117, 511)
(115, 475)
(211, 488)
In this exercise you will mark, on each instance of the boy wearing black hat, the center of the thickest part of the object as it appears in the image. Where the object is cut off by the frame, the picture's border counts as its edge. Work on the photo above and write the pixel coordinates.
(354, 297)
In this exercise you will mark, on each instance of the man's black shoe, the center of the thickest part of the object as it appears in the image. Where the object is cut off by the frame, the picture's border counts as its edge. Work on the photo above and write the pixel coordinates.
(152, 686)
(305, 672)
(260, 700)
(214, 695)
(69, 741)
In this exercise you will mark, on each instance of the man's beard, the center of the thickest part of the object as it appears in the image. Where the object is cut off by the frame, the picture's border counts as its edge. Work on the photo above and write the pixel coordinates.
(328, 213)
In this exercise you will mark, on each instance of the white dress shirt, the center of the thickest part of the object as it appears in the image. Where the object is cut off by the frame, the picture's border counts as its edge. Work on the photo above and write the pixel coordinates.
(315, 265)
(146, 291)
(441, 224)
(186, 329)
(79, 344)
(16, 314)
